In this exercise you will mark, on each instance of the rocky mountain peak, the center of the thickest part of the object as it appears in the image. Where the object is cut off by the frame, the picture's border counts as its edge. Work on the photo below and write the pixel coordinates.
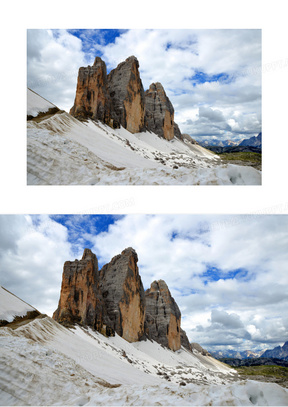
(113, 300)
(118, 99)
(87, 254)
(163, 317)
(159, 111)
(127, 94)
(98, 61)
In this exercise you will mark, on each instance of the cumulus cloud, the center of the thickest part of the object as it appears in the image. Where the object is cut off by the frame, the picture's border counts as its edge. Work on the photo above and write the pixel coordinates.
(53, 60)
(32, 262)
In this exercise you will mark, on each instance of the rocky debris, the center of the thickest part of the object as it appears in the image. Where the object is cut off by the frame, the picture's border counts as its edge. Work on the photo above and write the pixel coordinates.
(189, 138)
(119, 99)
(80, 299)
(123, 293)
(199, 349)
(92, 98)
(159, 111)
(127, 94)
(163, 317)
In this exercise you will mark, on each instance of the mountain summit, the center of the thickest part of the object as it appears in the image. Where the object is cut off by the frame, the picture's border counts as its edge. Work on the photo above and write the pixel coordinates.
(113, 300)
(118, 99)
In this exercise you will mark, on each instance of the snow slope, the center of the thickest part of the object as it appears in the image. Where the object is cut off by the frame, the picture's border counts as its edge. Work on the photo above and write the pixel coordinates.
(63, 150)
(43, 363)
(37, 104)
(11, 306)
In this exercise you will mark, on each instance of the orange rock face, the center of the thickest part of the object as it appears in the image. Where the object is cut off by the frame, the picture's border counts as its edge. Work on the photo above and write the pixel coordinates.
(92, 99)
(80, 299)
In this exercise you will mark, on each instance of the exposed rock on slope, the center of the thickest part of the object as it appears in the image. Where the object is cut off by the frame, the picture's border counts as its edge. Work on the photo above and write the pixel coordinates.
(199, 348)
(123, 293)
(159, 111)
(163, 316)
(127, 94)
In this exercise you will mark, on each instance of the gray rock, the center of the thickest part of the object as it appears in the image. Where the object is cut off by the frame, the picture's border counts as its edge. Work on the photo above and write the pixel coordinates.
(127, 95)
(159, 111)
(163, 317)
(123, 294)
(184, 340)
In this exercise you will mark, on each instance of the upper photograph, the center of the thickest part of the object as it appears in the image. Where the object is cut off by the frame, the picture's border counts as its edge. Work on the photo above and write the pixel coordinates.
(144, 107)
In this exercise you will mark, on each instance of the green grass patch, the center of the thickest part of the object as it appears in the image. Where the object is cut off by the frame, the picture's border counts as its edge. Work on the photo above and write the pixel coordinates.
(264, 370)
(242, 156)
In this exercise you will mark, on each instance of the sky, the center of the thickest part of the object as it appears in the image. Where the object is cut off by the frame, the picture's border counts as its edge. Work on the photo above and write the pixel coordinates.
(212, 76)
(227, 273)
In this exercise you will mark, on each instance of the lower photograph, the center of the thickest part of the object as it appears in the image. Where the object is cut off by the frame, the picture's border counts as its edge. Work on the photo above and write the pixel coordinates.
(143, 310)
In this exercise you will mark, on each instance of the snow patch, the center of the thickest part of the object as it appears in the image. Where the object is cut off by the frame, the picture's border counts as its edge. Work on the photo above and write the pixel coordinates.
(37, 104)
(11, 306)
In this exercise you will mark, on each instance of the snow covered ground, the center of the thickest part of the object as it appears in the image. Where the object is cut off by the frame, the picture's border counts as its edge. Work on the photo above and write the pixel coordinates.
(11, 306)
(43, 363)
(62, 150)
(37, 104)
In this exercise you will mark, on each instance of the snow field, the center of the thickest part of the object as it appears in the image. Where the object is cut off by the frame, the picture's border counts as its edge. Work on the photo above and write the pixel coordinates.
(61, 150)
(43, 363)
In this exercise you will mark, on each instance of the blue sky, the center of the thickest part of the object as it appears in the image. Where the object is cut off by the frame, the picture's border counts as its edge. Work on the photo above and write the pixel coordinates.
(221, 270)
(218, 70)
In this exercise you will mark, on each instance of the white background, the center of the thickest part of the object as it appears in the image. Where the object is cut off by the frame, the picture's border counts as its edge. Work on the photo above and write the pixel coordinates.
(18, 16)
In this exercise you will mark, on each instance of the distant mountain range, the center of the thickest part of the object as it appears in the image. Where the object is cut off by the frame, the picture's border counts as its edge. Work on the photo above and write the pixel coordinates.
(255, 142)
(254, 362)
(280, 352)
(246, 354)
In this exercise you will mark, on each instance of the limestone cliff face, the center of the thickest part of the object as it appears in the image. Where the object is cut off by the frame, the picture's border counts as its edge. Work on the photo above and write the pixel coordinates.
(163, 316)
(127, 94)
(92, 99)
(119, 99)
(113, 300)
(159, 111)
(80, 298)
(123, 293)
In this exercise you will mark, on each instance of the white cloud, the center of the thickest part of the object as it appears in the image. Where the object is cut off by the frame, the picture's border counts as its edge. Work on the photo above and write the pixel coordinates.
(53, 60)
(31, 265)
